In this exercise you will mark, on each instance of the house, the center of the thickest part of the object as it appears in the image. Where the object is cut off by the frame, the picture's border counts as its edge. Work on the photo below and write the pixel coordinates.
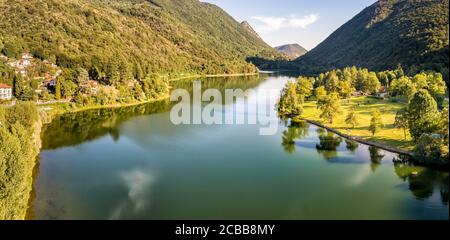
(90, 87)
(357, 94)
(50, 83)
(26, 59)
(21, 64)
(5, 92)
(94, 86)
(383, 93)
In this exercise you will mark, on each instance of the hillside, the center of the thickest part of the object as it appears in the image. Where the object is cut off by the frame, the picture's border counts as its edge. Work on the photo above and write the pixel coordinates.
(411, 33)
(250, 29)
(158, 36)
(292, 51)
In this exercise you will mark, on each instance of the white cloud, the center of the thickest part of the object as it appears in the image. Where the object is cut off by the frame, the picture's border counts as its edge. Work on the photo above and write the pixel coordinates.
(271, 24)
(139, 185)
(303, 22)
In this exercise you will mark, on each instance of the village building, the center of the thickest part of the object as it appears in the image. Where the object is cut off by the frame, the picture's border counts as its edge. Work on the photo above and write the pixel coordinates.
(94, 86)
(383, 93)
(21, 64)
(5, 92)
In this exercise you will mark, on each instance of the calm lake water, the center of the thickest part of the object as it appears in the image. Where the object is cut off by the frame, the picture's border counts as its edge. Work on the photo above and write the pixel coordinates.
(133, 163)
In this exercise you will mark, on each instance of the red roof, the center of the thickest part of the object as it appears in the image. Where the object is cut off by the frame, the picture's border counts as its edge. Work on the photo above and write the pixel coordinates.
(4, 86)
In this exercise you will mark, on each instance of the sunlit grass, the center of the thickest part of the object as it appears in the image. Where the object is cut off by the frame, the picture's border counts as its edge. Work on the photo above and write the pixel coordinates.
(364, 108)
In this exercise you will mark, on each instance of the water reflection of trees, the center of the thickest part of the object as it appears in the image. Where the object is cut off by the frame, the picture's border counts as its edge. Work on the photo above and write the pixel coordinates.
(295, 131)
(351, 145)
(75, 128)
(375, 157)
(328, 143)
(221, 83)
(423, 181)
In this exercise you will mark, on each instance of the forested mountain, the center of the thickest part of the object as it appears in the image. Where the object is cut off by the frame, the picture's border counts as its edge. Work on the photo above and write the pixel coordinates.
(292, 51)
(155, 36)
(413, 34)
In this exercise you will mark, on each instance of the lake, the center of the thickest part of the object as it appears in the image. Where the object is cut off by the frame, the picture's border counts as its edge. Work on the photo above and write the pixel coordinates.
(133, 163)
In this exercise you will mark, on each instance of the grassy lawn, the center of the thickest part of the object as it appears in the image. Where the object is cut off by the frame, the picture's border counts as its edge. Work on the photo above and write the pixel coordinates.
(364, 107)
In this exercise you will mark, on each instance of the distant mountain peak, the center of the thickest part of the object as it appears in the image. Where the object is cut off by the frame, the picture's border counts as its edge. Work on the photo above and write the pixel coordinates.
(292, 51)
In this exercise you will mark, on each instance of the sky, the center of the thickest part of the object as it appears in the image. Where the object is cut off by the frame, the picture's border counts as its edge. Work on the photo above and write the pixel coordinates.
(306, 22)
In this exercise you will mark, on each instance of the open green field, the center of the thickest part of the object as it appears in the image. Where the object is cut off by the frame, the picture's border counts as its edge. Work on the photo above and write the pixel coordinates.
(364, 108)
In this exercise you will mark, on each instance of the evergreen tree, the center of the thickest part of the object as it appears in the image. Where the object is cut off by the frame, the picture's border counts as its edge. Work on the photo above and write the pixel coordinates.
(58, 89)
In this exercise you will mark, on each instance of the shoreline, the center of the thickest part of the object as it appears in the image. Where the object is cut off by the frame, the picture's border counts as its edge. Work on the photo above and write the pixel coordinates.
(214, 76)
(411, 160)
(360, 140)
(119, 105)
(43, 120)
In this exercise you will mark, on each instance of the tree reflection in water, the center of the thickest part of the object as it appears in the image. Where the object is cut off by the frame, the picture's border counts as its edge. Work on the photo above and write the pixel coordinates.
(328, 144)
(295, 131)
(351, 145)
(375, 157)
(423, 181)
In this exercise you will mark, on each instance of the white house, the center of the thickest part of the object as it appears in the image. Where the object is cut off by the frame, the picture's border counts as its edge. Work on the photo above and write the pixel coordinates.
(21, 64)
(5, 92)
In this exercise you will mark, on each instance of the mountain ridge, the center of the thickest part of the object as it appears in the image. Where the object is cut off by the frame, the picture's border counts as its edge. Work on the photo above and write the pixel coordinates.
(411, 34)
(390, 33)
(157, 36)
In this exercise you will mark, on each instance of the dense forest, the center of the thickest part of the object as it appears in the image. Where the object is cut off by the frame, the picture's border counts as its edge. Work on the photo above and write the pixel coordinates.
(413, 34)
(138, 37)
(19, 140)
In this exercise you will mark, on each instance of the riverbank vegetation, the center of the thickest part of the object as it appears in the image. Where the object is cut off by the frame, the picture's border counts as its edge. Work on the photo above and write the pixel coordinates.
(390, 108)
(19, 146)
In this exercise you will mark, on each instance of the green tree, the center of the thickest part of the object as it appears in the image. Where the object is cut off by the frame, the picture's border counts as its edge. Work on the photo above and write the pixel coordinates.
(12, 48)
(403, 86)
(58, 89)
(401, 121)
(422, 114)
(431, 149)
(345, 88)
(443, 128)
(113, 73)
(352, 119)
(331, 82)
(19, 85)
(291, 103)
(155, 86)
(305, 86)
(320, 92)
(436, 87)
(371, 84)
(23, 113)
(375, 123)
(83, 77)
(69, 88)
(2, 117)
(330, 107)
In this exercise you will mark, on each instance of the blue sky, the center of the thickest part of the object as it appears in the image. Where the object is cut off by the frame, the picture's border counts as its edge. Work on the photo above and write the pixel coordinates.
(306, 22)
